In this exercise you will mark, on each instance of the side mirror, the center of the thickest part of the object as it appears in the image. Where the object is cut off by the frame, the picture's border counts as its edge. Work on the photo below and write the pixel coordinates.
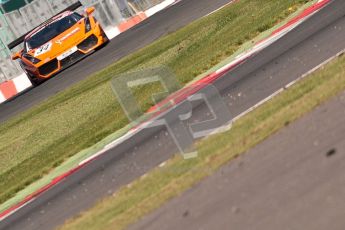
(89, 10)
(16, 56)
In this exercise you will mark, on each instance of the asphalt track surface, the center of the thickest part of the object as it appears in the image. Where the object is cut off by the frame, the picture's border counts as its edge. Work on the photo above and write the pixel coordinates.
(162, 23)
(293, 180)
(319, 38)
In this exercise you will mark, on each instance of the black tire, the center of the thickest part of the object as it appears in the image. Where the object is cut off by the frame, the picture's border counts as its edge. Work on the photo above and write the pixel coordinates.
(107, 40)
(104, 35)
(34, 80)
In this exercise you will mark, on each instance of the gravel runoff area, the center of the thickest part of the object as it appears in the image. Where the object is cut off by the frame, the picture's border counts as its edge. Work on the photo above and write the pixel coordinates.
(293, 180)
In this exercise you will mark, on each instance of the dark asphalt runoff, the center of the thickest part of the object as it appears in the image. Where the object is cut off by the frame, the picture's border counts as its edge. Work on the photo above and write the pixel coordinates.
(163, 23)
(292, 181)
(314, 41)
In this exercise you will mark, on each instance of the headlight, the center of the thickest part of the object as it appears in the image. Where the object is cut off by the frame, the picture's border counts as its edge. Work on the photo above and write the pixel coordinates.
(31, 58)
(87, 25)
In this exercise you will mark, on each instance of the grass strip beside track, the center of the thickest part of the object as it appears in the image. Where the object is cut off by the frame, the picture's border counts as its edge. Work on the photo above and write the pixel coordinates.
(37, 141)
(131, 203)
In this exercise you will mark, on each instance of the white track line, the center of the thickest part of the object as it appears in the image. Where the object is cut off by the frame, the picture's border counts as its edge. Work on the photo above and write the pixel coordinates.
(15, 210)
(220, 8)
(287, 86)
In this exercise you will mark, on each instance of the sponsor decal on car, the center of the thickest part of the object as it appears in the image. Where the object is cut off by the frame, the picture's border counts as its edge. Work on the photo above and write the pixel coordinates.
(59, 41)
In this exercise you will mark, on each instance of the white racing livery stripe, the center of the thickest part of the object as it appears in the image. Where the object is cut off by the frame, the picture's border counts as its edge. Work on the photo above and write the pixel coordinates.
(68, 35)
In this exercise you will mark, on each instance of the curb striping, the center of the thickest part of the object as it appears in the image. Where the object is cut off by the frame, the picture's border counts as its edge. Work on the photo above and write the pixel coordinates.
(10, 88)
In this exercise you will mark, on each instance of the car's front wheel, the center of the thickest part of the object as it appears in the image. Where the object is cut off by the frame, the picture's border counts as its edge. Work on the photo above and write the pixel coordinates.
(34, 80)
(106, 39)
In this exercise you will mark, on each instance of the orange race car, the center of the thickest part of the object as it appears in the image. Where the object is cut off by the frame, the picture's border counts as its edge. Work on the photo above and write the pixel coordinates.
(58, 43)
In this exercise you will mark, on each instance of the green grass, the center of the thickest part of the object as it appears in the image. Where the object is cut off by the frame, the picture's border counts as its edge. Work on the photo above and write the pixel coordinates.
(35, 142)
(130, 203)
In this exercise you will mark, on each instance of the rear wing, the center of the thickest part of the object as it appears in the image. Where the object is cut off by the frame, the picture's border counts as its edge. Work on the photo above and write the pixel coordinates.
(20, 40)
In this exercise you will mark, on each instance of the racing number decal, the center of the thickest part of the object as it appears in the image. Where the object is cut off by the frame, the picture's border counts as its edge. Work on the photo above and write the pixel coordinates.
(43, 49)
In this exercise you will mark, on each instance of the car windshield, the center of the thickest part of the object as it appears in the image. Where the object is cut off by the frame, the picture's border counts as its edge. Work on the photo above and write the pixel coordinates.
(51, 31)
